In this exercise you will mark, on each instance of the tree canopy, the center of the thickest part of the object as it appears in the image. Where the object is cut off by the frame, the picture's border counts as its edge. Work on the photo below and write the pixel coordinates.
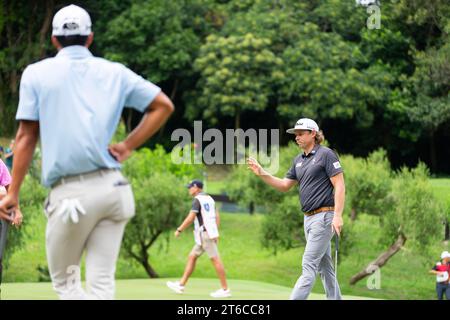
(266, 63)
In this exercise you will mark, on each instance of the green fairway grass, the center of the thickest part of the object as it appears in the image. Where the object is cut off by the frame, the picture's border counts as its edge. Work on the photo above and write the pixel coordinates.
(245, 258)
(441, 188)
(156, 289)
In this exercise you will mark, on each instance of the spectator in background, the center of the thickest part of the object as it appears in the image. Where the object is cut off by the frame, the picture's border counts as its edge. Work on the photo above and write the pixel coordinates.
(5, 181)
(9, 155)
(5, 178)
(442, 272)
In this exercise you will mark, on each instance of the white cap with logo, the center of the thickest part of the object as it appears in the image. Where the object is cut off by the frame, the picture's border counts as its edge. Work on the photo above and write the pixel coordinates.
(304, 124)
(445, 254)
(71, 20)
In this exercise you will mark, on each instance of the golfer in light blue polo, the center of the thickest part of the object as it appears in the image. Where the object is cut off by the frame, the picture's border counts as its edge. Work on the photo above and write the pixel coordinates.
(73, 102)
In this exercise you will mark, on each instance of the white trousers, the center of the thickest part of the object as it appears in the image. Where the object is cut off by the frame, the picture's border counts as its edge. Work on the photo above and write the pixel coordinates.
(95, 225)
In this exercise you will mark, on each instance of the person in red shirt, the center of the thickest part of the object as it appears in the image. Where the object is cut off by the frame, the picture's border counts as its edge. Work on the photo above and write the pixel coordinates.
(442, 272)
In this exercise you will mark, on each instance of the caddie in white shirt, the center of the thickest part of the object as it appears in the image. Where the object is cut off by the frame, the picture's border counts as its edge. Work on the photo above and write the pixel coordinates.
(206, 233)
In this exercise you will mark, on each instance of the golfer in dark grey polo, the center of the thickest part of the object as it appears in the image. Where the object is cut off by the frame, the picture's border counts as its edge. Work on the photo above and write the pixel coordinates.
(319, 175)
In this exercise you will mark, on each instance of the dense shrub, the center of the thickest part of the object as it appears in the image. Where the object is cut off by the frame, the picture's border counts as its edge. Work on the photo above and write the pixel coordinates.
(367, 182)
(416, 213)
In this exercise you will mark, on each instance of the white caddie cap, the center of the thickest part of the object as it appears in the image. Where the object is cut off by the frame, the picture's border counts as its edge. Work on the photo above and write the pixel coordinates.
(304, 124)
(71, 20)
(445, 254)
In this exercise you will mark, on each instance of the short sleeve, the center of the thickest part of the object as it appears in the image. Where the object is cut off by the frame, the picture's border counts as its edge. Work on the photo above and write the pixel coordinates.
(28, 99)
(291, 172)
(140, 91)
(332, 164)
(5, 177)
(195, 205)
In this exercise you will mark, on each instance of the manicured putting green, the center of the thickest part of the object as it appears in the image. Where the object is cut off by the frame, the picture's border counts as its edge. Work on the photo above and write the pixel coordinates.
(155, 289)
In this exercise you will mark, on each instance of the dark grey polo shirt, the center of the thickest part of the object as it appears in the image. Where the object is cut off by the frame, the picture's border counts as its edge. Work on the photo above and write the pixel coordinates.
(313, 172)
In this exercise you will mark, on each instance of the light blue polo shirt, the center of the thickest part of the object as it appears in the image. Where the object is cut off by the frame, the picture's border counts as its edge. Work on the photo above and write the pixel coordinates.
(78, 100)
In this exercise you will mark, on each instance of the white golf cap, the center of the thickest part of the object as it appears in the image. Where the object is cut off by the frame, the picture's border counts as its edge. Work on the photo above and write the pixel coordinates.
(304, 124)
(71, 20)
(445, 254)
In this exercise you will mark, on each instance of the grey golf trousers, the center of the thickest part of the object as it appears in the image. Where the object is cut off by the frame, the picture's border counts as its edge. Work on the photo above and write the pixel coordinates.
(317, 258)
(106, 199)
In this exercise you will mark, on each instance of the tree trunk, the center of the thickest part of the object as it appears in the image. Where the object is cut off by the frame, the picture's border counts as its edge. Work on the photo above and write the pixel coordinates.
(237, 118)
(251, 208)
(433, 158)
(174, 89)
(148, 268)
(50, 6)
(172, 98)
(381, 260)
(353, 214)
(128, 123)
(2, 101)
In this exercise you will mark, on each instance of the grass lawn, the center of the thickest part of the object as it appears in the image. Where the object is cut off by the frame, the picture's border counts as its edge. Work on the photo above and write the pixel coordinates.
(405, 276)
(215, 187)
(156, 289)
(441, 188)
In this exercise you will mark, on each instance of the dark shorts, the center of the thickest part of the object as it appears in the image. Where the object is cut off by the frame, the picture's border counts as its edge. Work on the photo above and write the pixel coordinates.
(441, 289)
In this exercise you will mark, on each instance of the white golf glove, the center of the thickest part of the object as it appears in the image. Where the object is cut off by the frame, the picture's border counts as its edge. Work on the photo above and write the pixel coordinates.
(69, 209)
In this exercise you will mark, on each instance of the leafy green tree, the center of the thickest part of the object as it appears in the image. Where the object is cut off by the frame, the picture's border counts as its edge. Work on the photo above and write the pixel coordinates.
(283, 226)
(25, 31)
(155, 38)
(427, 23)
(339, 17)
(322, 79)
(146, 162)
(280, 23)
(368, 182)
(431, 105)
(332, 66)
(161, 201)
(160, 40)
(22, 40)
(236, 74)
(415, 215)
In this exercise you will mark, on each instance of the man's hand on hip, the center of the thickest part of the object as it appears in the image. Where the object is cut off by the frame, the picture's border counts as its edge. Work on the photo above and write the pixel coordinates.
(120, 151)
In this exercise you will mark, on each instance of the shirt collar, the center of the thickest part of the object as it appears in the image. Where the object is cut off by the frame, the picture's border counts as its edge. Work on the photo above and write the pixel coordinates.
(313, 152)
(74, 52)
